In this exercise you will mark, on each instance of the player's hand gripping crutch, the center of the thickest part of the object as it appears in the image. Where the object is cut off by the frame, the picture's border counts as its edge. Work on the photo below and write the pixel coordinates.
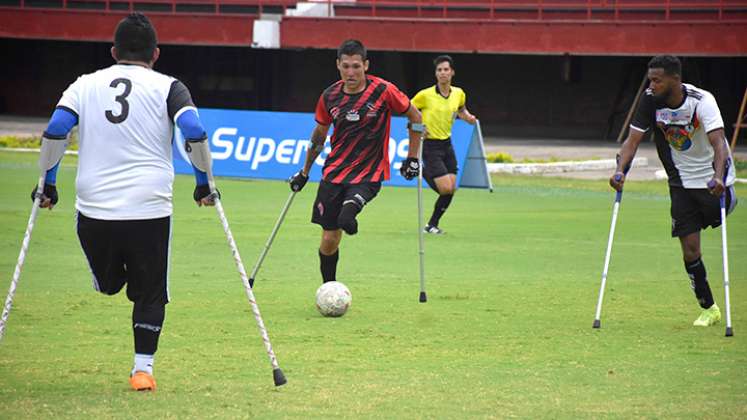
(199, 154)
(724, 253)
(51, 152)
(615, 210)
(268, 244)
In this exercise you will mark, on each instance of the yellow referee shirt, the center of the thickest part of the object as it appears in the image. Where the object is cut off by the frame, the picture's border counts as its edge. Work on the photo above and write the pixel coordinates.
(439, 112)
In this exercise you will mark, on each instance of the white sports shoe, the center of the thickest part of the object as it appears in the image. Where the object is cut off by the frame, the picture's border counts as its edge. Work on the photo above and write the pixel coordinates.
(433, 230)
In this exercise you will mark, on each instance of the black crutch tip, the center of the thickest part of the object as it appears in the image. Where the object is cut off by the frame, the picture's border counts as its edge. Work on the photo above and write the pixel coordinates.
(251, 282)
(597, 323)
(423, 297)
(729, 332)
(278, 377)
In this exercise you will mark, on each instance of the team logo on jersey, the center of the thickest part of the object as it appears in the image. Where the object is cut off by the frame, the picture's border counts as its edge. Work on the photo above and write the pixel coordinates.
(372, 110)
(678, 131)
(334, 112)
(353, 115)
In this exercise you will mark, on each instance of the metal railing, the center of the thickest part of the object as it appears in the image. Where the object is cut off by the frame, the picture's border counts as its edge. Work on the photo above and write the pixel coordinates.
(542, 10)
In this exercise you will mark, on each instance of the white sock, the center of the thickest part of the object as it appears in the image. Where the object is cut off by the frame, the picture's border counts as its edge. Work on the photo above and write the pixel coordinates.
(143, 363)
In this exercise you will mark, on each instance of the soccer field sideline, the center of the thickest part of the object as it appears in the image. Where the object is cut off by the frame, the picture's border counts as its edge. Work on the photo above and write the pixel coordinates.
(507, 331)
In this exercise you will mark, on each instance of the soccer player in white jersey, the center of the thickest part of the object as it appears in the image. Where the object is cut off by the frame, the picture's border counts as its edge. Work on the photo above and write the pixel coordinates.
(126, 115)
(689, 135)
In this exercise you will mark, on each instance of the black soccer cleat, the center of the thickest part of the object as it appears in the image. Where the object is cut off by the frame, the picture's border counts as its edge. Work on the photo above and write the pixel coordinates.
(278, 377)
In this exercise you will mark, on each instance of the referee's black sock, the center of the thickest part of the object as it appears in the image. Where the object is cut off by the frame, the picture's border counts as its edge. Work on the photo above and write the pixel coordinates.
(697, 273)
(328, 266)
(147, 321)
(440, 208)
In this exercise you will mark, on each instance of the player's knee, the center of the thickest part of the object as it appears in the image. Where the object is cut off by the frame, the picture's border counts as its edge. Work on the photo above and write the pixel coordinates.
(446, 190)
(346, 220)
(330, 241)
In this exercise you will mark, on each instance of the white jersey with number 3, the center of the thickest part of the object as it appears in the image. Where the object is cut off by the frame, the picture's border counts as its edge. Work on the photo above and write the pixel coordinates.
(125, 169)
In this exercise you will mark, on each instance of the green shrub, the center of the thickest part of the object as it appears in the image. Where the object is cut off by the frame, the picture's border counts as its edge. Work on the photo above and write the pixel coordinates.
(499, 157)
(16, 142)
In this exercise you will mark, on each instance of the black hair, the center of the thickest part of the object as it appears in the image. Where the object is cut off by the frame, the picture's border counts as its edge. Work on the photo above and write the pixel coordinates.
(669, 63)
(351, 47)
(135, 38)
(443, 58)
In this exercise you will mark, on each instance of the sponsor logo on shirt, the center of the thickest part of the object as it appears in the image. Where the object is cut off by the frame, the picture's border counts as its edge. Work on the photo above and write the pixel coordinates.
(678, 128)
(353, 115)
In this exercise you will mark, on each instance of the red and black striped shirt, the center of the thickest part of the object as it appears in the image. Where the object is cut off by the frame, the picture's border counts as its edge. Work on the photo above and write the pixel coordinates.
(360, 140)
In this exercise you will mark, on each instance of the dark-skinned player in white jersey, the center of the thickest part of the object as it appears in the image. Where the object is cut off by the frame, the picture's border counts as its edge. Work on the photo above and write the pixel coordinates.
(360, 106)
(689, 135)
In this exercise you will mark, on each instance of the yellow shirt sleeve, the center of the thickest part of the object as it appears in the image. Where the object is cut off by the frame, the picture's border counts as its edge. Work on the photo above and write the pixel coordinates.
(419, 100)
(462, 99)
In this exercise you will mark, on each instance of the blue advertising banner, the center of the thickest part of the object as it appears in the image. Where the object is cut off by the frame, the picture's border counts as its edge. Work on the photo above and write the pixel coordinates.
(272, 145)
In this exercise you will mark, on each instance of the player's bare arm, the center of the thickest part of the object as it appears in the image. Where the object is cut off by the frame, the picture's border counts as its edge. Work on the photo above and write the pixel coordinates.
(626, 155)
(465, 115)
(720, 156)
(318, 138)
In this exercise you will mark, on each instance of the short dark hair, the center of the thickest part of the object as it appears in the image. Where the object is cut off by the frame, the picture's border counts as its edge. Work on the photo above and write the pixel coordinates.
(351, 47)
(443, 58)
(135, 38)
(669, 63)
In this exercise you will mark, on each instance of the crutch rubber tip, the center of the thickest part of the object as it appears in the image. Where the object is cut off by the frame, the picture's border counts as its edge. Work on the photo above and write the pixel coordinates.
(278, 377)
(251, 282)
(729, 332)
(597, 323)
(423, 298)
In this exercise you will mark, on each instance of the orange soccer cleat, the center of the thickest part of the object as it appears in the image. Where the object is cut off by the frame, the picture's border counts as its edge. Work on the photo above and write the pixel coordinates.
(142, 381)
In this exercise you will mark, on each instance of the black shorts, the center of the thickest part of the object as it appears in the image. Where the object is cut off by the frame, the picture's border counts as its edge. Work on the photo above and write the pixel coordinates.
(696, 209)
(132, 252)
(331, 197)
(439, 158)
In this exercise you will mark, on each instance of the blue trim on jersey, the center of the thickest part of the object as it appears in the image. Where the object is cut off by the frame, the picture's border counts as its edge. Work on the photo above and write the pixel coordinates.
(192, 129)
(190, 125)
(51, 178)
(60, 124)
(200, 177)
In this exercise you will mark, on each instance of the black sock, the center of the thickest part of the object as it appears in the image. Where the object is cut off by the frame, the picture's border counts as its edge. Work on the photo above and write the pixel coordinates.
(697, 273)
(328, 266)
(440, 208)
(147, 321)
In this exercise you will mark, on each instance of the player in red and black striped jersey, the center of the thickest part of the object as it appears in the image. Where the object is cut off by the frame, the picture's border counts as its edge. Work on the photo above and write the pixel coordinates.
(360, 107)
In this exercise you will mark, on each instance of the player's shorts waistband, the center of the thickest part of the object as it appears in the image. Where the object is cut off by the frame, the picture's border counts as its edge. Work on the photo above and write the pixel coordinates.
(443, 140)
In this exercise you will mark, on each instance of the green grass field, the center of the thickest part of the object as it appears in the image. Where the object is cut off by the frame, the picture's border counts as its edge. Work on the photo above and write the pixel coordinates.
(506, 332)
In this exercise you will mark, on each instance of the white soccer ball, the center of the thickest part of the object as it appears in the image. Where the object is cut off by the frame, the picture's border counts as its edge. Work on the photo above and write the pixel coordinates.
(333, 299)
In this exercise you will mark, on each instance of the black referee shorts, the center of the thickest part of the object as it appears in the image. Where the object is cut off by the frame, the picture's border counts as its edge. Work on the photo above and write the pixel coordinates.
(696, 209)
(439, 158)
(330, 198)
(131, 252)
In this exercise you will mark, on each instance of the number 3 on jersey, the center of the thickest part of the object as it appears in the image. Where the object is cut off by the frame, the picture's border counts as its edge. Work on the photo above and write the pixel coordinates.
(122, 99)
